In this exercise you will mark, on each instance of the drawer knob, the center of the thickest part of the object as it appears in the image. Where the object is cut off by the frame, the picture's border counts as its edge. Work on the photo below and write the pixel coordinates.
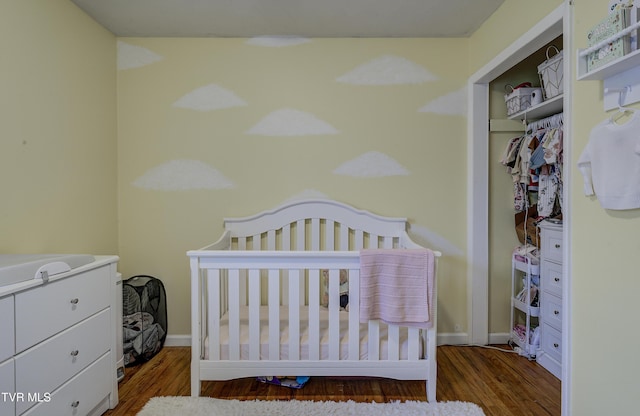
(556, 345)
(75, 404)
(556, 312)
(74, 301)
(556, 279)
(557, 245)
(74, 353)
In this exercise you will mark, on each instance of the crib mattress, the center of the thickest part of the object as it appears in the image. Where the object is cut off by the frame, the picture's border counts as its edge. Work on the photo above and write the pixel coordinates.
(304, 336)
(16, 268)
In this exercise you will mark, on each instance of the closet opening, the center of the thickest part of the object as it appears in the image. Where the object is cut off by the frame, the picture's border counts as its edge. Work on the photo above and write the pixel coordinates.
(513, 195)
(484, 214)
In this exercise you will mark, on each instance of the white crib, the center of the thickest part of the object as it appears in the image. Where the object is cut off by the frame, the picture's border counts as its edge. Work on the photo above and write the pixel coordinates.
(256, 300)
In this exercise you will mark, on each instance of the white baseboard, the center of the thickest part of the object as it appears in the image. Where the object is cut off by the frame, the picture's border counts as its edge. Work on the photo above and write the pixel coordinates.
(453, 338)
(462, 338)
(445, 338)
(499, 338)
(177, 341)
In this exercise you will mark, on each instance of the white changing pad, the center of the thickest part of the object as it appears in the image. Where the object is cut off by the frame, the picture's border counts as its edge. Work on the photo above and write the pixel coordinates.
(304, 336)
(16, 268)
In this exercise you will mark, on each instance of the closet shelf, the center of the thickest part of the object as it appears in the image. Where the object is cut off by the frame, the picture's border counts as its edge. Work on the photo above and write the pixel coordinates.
(545, 108)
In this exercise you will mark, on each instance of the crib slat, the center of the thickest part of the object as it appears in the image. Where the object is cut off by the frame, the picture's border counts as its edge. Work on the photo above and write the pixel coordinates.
(286, 237)
(254, 314)
(413, 351)
(393, 342)
(294, 315)
(359, 240)
(334, 311)
(300, 233)
(344, 237)
(285, 245)
(314, 315)
(354, 314)
(284, 282)
(387, 242)
(315, 234)
(271, 240)
(274, 314)
(213, 320)
(234, 314)
(373, 240)
(242, 245)
(329, 239)
(374, 340)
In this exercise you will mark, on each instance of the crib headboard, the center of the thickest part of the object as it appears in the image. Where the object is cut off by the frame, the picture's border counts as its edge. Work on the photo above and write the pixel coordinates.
(317, 225)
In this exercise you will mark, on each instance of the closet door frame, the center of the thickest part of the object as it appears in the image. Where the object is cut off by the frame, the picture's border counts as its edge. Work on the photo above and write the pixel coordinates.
(557, 23)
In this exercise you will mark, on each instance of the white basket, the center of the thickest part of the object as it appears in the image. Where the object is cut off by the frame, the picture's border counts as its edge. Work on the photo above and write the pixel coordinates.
(551, 74)
(519, 99)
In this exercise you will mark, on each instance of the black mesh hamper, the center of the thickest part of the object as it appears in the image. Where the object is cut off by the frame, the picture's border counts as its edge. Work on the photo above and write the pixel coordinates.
(144, 318)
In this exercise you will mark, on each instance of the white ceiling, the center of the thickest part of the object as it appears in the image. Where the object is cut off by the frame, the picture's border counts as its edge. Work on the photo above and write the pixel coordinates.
(306, 18)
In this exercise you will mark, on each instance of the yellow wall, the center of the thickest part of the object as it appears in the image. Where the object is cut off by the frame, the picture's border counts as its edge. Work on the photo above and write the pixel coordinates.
(605, 277)
(160, 221)
(58, 130)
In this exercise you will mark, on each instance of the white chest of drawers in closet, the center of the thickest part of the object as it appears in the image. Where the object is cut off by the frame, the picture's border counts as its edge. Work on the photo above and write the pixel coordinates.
(61, 357)
(551, 287)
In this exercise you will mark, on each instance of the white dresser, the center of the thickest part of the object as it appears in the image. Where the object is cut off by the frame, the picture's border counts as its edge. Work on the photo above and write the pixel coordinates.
(551, 287)
(59, 342)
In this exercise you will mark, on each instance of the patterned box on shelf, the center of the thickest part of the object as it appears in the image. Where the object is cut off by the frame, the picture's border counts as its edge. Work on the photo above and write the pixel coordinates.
(519, 99)
(551, 74)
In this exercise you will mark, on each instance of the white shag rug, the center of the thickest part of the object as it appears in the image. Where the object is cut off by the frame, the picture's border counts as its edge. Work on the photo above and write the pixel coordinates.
(207, 406)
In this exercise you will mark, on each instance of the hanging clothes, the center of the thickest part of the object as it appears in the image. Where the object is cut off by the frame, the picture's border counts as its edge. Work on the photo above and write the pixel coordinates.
(534, 161)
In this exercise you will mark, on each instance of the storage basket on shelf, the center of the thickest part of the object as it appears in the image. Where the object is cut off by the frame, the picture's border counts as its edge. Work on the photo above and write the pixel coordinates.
(551, 74)
(144, 313)
(519, 98)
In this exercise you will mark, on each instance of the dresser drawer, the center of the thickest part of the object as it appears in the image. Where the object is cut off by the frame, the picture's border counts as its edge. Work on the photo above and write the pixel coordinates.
(55, 306)
(7, 385)
(551, 342)
(63, 356)
(551, 275)
(551, 307)
(81, 394)
(551, 245)
(7, 340)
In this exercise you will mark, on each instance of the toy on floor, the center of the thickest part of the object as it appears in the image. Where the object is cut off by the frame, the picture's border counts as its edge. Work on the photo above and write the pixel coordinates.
(294, 382)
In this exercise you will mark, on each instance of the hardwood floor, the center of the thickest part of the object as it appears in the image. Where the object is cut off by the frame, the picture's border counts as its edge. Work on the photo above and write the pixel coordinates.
(502, 383)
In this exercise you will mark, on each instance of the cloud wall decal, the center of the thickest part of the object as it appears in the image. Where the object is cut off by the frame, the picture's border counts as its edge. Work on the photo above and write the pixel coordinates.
(371, 165)
(454, 104)
(277, 41)
(182, 175)
(290, 122)
(131, 56)
(208, 98)
(388, 70)
(436, 241)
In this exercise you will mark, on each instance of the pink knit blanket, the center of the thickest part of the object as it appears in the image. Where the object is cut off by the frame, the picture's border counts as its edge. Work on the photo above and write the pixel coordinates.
(396, 286)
